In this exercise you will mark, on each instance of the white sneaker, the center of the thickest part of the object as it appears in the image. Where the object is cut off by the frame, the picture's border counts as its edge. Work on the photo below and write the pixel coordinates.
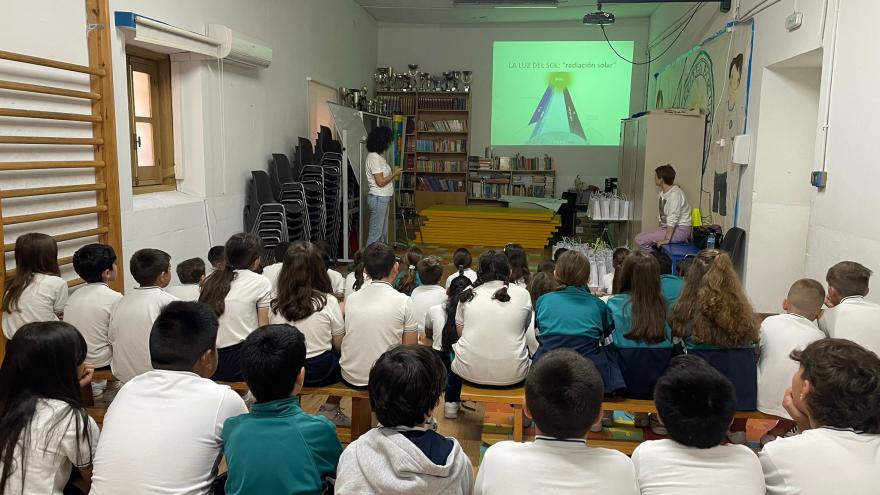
(334, 413)
(98, 387)
(450, 410)
(736, 437)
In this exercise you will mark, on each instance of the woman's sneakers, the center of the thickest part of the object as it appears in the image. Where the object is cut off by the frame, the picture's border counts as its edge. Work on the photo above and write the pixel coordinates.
(450, 410)
(334, 413)
(737, 437)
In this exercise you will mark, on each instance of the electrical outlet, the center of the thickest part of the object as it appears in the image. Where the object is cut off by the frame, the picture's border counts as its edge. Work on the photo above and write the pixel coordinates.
(794, 21)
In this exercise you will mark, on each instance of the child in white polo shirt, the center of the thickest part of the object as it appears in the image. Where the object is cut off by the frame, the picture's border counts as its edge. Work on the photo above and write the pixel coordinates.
(272, 271)
(337, 281)
(377, 317)
(240, 298)
(429, 294)
(90, 306)
(191, 273)
(163, 431)
(462, 260)
(781, 334)
(134, 314)
(849, 315)
(564, 398)
(696, 404)
(36, 292)
(835, 399)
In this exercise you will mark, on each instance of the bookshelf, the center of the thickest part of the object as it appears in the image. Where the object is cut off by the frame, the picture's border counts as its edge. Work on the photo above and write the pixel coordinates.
(489, 179)
(434, 149)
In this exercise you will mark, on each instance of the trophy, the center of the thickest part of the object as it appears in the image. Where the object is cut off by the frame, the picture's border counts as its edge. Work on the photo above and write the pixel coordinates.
(413, 72)
(456, 80)
(449, 83)
(467, 78)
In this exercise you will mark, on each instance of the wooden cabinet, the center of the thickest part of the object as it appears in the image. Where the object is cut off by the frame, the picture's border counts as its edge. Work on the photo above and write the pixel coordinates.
(649, 141)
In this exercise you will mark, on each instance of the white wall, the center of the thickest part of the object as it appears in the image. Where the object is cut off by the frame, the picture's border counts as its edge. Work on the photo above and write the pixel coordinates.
(771, 202)
(469, 47)
(245, 115)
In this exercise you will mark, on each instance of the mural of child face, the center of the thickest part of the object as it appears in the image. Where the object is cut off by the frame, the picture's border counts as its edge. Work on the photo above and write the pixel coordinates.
(734, 77)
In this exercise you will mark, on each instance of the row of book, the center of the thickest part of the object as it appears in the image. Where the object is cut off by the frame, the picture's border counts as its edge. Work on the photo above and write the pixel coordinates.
(436, 184)
(391, 104)
(442, 145)
(443, 126)
(518, 162)
(407, 200)
(407, 181)
(443, 102)
(425, 165)
(484, 190)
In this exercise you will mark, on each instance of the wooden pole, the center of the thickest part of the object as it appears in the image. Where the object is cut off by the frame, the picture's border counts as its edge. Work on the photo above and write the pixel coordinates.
(100, 59)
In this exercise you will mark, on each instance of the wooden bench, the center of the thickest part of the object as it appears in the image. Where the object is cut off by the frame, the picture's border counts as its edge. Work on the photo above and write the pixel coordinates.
(515, 396)
(361, 413)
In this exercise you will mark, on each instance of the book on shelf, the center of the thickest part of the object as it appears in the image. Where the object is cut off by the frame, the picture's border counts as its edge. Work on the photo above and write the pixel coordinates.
(443, 126)
(488, 190)
(425, 165)
(442, 145)
(436, 184)
(443, 102)
(407, 200)
(519, 162)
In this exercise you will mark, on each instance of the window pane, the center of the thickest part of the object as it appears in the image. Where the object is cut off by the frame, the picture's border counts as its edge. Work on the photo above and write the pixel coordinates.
(145, 152)
(140, 82)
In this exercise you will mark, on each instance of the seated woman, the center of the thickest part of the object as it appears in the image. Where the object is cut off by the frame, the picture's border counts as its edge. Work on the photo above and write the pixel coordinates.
(714, 320)
(304, 298)
(675, 213)
(45, 431)
(491, 319)
(572, 317)
(641, 334)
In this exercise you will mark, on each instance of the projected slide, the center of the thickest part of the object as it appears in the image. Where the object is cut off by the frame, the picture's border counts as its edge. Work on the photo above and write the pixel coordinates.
(549, 93)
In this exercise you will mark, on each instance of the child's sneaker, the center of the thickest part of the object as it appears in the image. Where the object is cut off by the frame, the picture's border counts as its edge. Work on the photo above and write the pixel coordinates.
(98, 387)
(450, 410)
(656, 425)
(431, 424)
(334, 413)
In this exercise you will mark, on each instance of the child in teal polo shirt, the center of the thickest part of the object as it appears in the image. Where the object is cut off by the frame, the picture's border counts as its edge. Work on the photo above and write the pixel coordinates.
(278, 448)
(670, 284)
(641, 333)
(573, 318)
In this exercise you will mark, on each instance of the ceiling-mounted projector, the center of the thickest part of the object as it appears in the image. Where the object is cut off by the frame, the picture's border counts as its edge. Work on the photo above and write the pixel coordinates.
(600, 18)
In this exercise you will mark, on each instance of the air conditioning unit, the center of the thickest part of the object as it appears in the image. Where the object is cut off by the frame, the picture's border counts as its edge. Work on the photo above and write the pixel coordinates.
(239, 48)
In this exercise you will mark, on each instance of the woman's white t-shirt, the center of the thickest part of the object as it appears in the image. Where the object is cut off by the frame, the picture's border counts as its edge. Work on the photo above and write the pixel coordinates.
(376, 164)
(53, 450)
(319, 328)
(492, 348)
(247, 292)
(43, 299)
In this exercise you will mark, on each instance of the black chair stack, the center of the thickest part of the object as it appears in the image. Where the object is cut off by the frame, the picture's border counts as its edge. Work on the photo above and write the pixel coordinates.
(262, 214)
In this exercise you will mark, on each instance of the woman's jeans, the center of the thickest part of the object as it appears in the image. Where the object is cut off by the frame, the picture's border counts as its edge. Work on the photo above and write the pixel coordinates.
(378, 218)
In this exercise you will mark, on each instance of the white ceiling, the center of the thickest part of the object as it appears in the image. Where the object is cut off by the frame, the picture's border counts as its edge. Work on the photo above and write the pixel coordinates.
(443, 12)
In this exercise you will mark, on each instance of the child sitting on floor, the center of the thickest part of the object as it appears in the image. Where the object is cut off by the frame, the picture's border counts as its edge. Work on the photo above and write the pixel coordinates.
(217, 258)
(780, 335)
(697, 404)
(376, 317)
(408, 278)
(305, 449)
(90, 306)
(36, 292)
(429, 294)
(462, 261)
(849, 315)
(132, 317)
(519, 264)
(403, 455)
(617, 259)
(271, 272)
(564, 398)
(191, 273)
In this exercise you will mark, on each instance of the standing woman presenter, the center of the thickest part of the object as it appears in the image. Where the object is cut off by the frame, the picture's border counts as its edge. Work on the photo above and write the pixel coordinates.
(380, 178)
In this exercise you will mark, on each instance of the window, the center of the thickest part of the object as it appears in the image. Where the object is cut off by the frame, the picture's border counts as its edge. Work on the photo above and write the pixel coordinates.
(149, 105)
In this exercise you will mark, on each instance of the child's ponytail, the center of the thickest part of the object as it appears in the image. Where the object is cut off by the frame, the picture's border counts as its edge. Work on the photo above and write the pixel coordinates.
(358, 270)
(242, 251)
(458, 286)
(408, 281)
(501, 294)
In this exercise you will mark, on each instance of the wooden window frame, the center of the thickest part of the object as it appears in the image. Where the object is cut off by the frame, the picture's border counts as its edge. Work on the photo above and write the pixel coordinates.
(161, 177)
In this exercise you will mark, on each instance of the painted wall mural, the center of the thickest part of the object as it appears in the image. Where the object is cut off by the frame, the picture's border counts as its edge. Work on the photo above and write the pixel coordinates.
(713, 77)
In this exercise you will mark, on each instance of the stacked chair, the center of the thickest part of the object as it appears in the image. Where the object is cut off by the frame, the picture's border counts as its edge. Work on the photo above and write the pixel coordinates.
(301, 200)
(262, 214)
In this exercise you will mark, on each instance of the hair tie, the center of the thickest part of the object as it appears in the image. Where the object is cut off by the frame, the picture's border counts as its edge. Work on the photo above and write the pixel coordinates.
(412, 267)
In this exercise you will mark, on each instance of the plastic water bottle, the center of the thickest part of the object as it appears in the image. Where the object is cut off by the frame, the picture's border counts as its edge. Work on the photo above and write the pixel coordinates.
(710, 241)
